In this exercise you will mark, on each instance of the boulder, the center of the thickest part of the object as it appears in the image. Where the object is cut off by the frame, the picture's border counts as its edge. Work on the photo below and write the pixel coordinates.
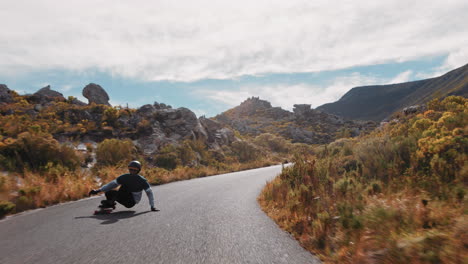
(76, 101)
(147, 110)
(45, 95)
(180, 121)
(47, 92)
(412, 109)
(161, 106)
(301, 109)
(96, 94)
(217, 134)
(168, 126)
(6, 95)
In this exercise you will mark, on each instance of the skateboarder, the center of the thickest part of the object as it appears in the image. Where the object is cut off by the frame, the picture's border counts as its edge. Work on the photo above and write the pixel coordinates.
(131, 186)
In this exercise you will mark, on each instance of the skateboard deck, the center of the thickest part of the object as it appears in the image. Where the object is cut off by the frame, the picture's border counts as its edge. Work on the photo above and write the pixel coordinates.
(104, 210)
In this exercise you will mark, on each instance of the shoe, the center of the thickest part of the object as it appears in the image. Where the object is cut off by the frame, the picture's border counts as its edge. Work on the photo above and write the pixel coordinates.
(107, 204)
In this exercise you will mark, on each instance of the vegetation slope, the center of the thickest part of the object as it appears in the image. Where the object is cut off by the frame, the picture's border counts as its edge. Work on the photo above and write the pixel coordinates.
(397, 195)
(44, 161)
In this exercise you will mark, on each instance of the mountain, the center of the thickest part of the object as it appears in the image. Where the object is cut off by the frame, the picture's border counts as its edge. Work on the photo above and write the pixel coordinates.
(305, 125)
(378, 102)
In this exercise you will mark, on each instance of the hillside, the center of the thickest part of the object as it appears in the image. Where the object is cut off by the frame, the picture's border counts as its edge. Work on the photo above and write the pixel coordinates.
(378, 102)
(305, 125)
(396, 195)
(55, 149)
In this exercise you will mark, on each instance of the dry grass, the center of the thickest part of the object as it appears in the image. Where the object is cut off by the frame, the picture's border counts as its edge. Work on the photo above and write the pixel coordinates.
(29, 190)
(395, 196)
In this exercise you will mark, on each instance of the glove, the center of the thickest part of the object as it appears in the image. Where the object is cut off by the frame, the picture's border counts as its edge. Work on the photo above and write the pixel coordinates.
(154, 209)
(93, 192)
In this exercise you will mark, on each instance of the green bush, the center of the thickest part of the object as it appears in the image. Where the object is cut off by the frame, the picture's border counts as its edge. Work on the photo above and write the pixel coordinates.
(186, 154)
(37, 151)
(114, 151)
(201, 148)
(272, 142)
(6, 208)
(3, 181)
(168, 161)
(360, 196)
(110, 116)
(245, 151)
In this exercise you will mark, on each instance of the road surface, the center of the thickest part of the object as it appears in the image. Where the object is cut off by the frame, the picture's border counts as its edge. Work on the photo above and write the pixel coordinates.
(208, 220)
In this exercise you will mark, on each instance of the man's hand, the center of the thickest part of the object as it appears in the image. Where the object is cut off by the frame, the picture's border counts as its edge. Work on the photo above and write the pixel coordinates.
(92, 192)
(154, 209)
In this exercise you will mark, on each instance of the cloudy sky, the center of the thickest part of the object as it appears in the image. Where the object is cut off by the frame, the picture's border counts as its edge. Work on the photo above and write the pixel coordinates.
(209, 56)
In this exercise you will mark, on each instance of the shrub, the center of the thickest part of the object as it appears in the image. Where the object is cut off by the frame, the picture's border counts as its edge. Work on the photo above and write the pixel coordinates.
(393, 196)
(37, 151)
(186, 154)
(114, 151)
(167, 161)
(201, 148)
(272, 142)
(6, 208)
(245, 151)
(3, 182)
(144, 127)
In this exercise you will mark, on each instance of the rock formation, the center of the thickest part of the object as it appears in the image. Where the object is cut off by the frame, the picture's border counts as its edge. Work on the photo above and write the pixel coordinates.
(217, 134)
(96, 94)
(45, 95)
(6, 95)
(255, 116)
(47, 92)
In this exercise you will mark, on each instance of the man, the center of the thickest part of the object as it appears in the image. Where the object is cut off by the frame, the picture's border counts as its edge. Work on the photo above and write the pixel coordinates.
(130, 192)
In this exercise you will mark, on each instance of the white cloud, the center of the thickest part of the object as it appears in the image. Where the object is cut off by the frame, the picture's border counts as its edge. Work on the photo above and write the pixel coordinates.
(190, 40)
(66, 88)
(402, 77)
(456, 58)
(285, 95)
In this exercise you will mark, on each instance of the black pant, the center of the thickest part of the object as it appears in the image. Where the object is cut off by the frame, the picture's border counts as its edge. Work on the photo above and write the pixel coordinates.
(121, 196)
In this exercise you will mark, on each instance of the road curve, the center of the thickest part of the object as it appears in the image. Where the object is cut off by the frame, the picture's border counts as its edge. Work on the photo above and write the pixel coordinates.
(208, 220)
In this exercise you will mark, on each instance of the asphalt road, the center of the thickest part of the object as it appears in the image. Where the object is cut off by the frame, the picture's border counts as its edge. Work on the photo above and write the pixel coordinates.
(208, 220)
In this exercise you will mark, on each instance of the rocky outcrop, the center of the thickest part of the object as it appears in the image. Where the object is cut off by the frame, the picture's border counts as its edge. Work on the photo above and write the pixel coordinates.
(251, 106)
(76, 101)
(172, 126)
(165, 125)
(45, 96)
(180, 122)
(151, 127)
(301, 109)
(413, 109)
(306, 125)
(47, 92)
(96, 94)
(6, 95)
(217, 134)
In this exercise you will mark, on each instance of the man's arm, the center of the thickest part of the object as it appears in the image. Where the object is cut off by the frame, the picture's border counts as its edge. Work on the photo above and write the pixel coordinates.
(111, 185)
(150, 195)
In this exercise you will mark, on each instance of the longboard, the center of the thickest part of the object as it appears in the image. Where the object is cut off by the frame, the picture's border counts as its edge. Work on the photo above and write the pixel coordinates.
(104, 211)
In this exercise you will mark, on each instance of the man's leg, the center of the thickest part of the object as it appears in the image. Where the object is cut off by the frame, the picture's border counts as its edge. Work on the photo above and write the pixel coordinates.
(125, 198)
(111, 196)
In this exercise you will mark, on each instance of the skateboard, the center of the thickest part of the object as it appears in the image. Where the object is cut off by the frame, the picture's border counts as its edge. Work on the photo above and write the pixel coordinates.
(104, 210)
